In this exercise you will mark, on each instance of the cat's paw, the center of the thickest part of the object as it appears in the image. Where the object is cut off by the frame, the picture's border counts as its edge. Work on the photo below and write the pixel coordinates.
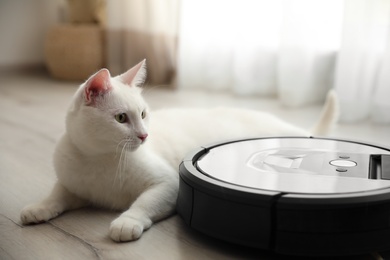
(125, 229)
(38, 213)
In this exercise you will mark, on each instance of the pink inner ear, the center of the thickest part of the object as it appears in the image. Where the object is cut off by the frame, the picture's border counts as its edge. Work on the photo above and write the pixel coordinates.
(97, 85)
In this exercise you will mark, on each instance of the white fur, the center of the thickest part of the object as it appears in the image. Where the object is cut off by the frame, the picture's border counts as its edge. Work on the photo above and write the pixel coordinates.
(102, 162)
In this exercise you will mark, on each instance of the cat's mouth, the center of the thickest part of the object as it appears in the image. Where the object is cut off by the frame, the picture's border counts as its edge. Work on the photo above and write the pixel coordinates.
(129, 144)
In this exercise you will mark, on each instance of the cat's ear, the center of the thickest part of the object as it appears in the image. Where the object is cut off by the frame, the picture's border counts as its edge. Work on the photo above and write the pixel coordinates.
(97, 86)
(135, 76)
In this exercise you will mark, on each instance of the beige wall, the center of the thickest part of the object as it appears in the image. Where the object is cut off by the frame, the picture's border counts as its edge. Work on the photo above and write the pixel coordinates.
(23, 25)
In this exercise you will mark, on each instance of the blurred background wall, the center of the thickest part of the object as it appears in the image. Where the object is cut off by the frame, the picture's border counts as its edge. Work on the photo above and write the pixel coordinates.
(23, 26)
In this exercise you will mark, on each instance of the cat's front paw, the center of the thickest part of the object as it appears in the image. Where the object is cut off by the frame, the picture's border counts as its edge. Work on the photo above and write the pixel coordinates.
(125, 229)
(38, 213)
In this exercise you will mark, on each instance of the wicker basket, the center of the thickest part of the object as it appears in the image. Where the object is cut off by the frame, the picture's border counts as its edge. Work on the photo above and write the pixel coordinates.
(74, 52)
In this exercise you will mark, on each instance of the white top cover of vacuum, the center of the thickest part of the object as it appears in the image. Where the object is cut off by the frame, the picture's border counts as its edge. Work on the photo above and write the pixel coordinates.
(294, 165)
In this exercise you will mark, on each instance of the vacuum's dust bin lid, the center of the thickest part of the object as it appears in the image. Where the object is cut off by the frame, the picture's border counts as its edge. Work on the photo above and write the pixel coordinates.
(292, 195)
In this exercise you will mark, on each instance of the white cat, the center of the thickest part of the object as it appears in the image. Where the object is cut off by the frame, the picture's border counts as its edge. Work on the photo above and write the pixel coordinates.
(117, 154)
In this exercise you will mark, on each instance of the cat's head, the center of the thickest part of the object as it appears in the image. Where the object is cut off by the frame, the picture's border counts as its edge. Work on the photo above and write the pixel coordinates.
(109, 113)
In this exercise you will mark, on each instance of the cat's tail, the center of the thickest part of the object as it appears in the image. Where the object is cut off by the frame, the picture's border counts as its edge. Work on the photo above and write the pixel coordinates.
(329, 115)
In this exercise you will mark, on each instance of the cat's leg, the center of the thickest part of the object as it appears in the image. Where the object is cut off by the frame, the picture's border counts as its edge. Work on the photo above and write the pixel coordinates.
(154, 204)
(59, 200)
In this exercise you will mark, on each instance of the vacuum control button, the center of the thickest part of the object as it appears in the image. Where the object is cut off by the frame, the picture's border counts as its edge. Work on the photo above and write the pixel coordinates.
(343, 163)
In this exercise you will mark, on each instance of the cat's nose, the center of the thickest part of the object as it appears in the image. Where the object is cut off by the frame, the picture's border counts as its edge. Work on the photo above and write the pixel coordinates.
(143, 137)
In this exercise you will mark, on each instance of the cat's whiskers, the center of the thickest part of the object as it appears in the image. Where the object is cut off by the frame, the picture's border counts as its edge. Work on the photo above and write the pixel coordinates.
(119, 144)
(122, 162)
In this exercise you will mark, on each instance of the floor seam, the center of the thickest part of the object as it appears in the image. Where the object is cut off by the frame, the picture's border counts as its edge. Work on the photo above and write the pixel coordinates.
(10, 219)
(83, 241)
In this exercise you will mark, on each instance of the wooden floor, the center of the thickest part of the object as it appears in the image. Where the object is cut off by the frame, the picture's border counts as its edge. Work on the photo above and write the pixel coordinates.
(32, 110)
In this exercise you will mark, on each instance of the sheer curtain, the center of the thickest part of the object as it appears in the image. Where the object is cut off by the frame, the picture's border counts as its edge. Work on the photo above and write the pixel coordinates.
(363, 68)
(139, 29)
(283, 48)
(295, 50)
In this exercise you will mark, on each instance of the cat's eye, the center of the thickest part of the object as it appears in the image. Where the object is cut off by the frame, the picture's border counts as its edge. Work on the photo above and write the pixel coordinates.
(143, 114)
(121, 118)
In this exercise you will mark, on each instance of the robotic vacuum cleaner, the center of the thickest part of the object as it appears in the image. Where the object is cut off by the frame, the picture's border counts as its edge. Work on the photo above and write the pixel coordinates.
(293, 195)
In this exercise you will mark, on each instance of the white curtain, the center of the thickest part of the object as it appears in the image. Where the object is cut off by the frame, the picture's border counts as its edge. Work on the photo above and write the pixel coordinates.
(363, 69)
(284, 48)
(139, 29)
(293, 49)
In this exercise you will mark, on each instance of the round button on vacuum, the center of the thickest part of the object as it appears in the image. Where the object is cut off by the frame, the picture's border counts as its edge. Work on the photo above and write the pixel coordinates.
(343, 163)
